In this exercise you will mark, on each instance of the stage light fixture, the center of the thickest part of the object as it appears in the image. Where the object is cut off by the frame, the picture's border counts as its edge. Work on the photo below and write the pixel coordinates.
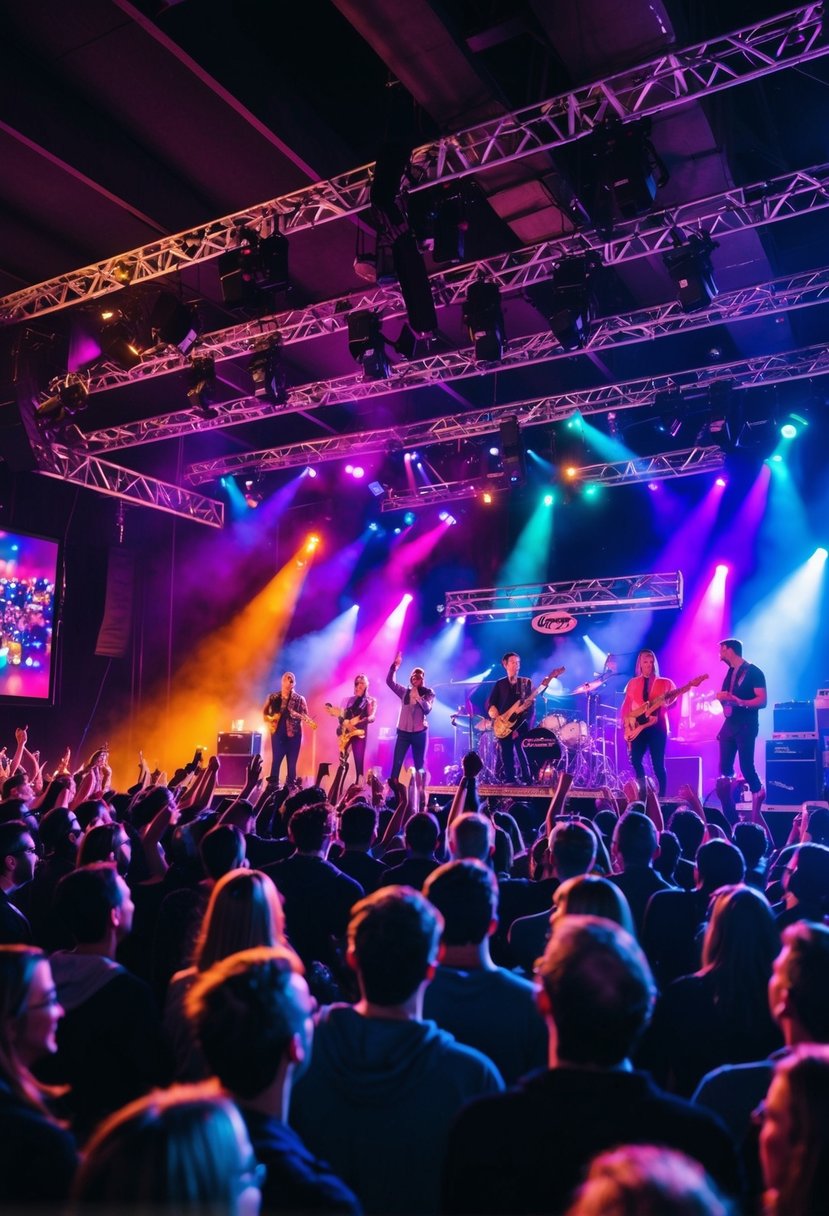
(68, 395)
(493, 451)
(689, 265)
(312, 543)
(571, 471)
(621, 171)
(409, 518)
(512, 451)
(270, 382)
(358, 471)
(567, 302)
(173, 323)
(202, 385)
(308, 471)
(376, 488)
(721, 482)
(118, 339)
(792, 426)
(443, 516)
(373, 527)
(367, 344)
(548, 500)
(484, 320)
(486, 497)
(256, 266)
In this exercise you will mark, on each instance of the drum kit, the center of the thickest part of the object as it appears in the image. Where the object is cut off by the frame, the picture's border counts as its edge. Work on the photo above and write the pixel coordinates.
(578, 737)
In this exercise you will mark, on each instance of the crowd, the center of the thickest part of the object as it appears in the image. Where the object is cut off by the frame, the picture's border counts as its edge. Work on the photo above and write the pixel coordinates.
(390, 1006)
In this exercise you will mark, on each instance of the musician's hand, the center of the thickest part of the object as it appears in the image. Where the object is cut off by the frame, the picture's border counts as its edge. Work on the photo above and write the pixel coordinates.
(726, 698)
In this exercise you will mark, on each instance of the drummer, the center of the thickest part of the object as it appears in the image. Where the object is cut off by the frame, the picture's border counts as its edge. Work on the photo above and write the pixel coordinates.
(505, 693)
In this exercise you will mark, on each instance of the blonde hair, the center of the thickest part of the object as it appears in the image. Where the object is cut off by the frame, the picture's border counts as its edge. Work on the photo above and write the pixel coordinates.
(638, 669)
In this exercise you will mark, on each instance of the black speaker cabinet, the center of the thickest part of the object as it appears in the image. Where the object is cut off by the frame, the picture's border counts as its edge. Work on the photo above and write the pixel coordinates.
(239, 743)
(793, 772)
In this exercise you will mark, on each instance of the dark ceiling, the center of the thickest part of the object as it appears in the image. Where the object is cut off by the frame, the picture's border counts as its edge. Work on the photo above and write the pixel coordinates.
(123, 122)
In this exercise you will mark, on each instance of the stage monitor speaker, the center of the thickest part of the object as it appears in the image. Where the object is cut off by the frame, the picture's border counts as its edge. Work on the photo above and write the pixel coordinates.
(793, 772)
(239, 743)
(683, 770)
(233, 771)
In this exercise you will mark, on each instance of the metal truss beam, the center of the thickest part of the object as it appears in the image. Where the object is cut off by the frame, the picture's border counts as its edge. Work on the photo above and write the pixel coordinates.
(630, 593)
(665, 466)
(65, 464)
(737, 210)
(670, 80)
(663, 320)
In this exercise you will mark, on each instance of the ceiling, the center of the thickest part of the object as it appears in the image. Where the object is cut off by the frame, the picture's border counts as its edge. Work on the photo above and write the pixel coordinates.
(123, 123)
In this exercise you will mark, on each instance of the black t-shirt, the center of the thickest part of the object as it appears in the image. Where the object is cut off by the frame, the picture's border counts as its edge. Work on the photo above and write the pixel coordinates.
(747, 678)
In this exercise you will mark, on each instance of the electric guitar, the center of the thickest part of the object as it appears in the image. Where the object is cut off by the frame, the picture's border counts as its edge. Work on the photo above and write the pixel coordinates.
(634, 723)
(273, 720)
(506, 722)
(347, 728)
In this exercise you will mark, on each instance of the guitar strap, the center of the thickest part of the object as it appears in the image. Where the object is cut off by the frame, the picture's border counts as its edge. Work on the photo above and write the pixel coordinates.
(646, 692)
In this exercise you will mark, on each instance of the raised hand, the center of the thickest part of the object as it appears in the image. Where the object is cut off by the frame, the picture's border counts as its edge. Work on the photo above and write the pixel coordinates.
(398, 659)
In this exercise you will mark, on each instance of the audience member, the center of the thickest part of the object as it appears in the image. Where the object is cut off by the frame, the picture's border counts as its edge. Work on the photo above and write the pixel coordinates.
(751, 840)
(59, 834)
(672, 932)
(17, 867)
(110, 1046)
(358, 832)
(472, 836)
(482, 1005)
(633, 849)
(794, 1136)
(383, 1085)
(806, 886)
(244, 911)
(572, 849)
(317, 897)
(180, 1150)
(689, 829)
(526, 1150)
(720, 1014)
(253, 1016)
(421, 834)
(644, 1180)
(37, 1154)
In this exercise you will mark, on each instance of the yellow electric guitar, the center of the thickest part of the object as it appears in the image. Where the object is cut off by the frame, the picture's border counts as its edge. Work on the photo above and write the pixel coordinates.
(273, 720)
(347, 730)
(506, 722)
(644, 716)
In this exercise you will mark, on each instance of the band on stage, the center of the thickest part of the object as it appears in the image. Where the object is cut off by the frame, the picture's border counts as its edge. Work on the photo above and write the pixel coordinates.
(521, 754)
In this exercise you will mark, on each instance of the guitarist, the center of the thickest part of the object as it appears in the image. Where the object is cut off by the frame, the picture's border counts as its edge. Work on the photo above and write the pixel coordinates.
(505, 692)
(648, 683)
(284, 712)
(358, 712)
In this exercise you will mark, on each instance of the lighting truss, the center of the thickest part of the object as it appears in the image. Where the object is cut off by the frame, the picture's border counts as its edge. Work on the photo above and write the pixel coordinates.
(666, 466)
(81, 469)
(669, 80)
(631, 593)
(778, 368)
(434, 495)
(663, 320)
(737, 210)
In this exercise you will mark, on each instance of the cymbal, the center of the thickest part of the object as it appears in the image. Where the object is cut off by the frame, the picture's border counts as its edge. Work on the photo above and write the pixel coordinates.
(587, 686)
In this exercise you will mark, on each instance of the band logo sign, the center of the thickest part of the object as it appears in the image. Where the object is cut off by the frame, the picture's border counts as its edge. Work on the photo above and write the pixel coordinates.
(553, 622)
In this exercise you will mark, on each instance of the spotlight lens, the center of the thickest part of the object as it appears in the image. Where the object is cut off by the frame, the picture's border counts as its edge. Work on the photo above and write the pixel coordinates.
(570, 471)
(590, 491)
(309, 472)
(653, 486)
(358, 471)
(722, 568)
(372, 526)
(777, 458)
(408, 519)
(548, 500)
(493, 451)
(487, 496)
(720, 482)
(788, 430)
(444, 515)
(821, 553)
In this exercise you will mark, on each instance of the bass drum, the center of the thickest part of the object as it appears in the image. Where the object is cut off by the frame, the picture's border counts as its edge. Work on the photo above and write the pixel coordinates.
(554, 722)
(542, 750)
(573, 734)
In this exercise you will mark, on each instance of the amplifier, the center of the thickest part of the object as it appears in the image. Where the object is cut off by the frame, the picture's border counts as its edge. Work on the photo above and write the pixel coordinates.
(233, 770)
(794, 717)
(683, 770)
(239, 743)
(793, 771)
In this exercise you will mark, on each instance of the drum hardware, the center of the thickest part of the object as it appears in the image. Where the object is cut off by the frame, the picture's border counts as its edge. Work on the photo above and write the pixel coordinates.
(574, 733)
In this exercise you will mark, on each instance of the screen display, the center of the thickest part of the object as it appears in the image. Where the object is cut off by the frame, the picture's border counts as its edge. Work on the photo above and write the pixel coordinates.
(28, 577)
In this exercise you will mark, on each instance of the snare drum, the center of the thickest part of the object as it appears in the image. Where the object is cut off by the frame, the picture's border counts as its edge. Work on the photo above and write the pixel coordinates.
(573, 734)
(554, 722)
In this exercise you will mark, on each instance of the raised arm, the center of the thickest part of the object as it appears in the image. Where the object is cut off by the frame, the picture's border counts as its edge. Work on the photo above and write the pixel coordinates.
(565, 780)
(397, 689)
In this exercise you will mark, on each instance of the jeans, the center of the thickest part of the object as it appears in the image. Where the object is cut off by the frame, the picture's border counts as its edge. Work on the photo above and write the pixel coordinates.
(284, 747)
(414, 739)
(737, 738)
(652, 739)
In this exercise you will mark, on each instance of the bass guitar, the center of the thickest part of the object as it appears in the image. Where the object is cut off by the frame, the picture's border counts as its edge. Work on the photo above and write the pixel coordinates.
(634, 723)
(505, 723)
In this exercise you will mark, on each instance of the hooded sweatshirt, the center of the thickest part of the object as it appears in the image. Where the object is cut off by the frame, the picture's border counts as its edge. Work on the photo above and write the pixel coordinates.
(377, 1102)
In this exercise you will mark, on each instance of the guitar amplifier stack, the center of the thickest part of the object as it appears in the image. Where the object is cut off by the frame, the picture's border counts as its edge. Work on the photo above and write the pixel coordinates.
(794, 757)
(234, 749)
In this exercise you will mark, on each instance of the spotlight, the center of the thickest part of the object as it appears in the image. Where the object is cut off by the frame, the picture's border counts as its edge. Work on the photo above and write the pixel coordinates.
(721, 482)
(484, 321)
(312, 543)
(270, 382)
(689, 265)
(548, 500)
(173, 323)
(309, 472)
(257, 265)
(409, 518)
(118, 339)
(486, 497)
(591, 490)
(776, 457)
(571, 471)
(653, 486)
(443, 516)
(567, 302)
(373, 526)
(202, 377)
(493, 451)
(397, 531)
(367, 344)
(358, 471)
(450, 521)
(820, 554)
(721, 568)
(622, 171)
(68, 395)
(793, 425)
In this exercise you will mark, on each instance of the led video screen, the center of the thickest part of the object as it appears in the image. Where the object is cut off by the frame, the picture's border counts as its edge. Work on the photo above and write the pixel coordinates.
(28, 581)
